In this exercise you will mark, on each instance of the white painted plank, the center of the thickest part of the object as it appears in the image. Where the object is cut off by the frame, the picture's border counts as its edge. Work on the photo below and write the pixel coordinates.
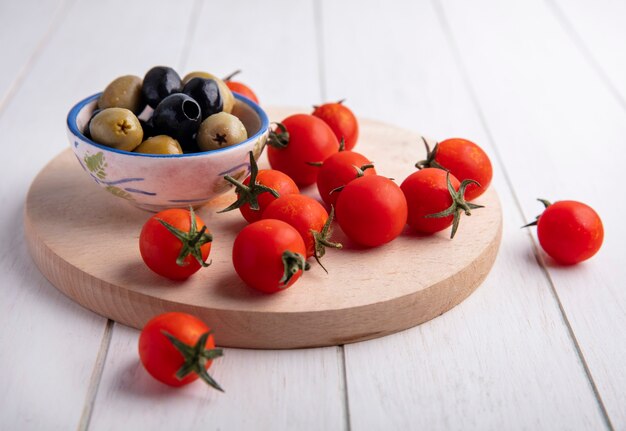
(264, 389)
(561, 135)
(273, 44)
(294, 389)
(597, 28)
(503, 359)
(54, 342)
(24, 27)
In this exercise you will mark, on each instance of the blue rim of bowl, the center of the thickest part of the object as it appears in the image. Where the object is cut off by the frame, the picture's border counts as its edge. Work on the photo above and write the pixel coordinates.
(73, 127)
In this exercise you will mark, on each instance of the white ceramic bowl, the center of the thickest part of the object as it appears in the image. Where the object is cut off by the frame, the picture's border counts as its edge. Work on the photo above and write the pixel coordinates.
(155, 182)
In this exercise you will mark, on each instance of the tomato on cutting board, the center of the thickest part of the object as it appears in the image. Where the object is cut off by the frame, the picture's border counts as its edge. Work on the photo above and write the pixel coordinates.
(269, 255)
(177, 349)
(259, 190)
(341, 120)
(309, 218)
(338, 170)
(371, 210)
(464, 159)
(435, 200)
(299, 145)
(240, 87)
(175, 243)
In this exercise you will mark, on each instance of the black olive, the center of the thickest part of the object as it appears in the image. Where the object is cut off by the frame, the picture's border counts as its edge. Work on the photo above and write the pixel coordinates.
(178, 116)
(148, 128)
(86, 132)
(160, 82)
(207, 93)
(189, 145)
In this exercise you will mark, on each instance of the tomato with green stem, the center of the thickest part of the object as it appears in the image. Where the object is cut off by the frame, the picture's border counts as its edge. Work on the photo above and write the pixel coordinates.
(239, 87)
(175, 243)
(298, 145)
(177, 349)
(436, 199)
(309, 218)
(259, 190)
(338, 170)
(269, 255)
(464, 159)
(569, 231)
(371, 210)
(341, 120)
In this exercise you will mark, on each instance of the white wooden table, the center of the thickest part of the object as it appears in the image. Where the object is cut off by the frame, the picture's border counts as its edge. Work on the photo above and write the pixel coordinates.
(540, 84)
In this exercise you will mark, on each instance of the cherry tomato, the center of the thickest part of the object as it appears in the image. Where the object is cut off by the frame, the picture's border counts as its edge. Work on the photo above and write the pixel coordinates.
(338, 170)
(175, 243)
(177, 348)
(465, 160)
(241, 88)
(569, 231)
(300, 141)
(269, 255)
(341, 120)
(259, 190)
(433, 192)
(371, 210)
(309, 218)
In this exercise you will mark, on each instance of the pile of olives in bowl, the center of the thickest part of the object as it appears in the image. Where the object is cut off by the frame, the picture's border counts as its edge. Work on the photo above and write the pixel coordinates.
(165, 142)
(164, 114)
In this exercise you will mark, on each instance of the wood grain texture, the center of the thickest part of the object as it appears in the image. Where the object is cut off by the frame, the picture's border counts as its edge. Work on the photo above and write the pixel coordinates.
(409, 281)
(503, 359)
(570, 145)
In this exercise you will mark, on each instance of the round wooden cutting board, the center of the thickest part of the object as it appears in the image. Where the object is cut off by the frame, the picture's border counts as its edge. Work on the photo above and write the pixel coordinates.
(85, 241)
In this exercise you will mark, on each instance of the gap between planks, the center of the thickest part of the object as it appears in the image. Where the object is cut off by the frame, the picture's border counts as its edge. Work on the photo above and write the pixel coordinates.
(96, 376)
(321, 57)
(98, 369)
(321, 53)
(196, 10)
(582, 47)
(24, 71)
(439, 10)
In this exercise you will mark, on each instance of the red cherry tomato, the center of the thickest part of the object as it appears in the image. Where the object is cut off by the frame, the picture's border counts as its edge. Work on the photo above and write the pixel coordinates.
(371, 210)
(162, 239)
(275, 180)
(465, 160)
(341, 120)
(267, 185)
(310, 140)
(243, 89)
(338, 170)
(269, 255)
(239, 87)
(167, 345)
(309, 218)
(427, 193)
(570, 231)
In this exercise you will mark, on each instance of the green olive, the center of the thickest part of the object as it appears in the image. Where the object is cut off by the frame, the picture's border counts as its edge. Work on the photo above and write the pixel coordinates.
(123, 92)
(117, 128)
(220, 130)
(161, 144)
(227, 95)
